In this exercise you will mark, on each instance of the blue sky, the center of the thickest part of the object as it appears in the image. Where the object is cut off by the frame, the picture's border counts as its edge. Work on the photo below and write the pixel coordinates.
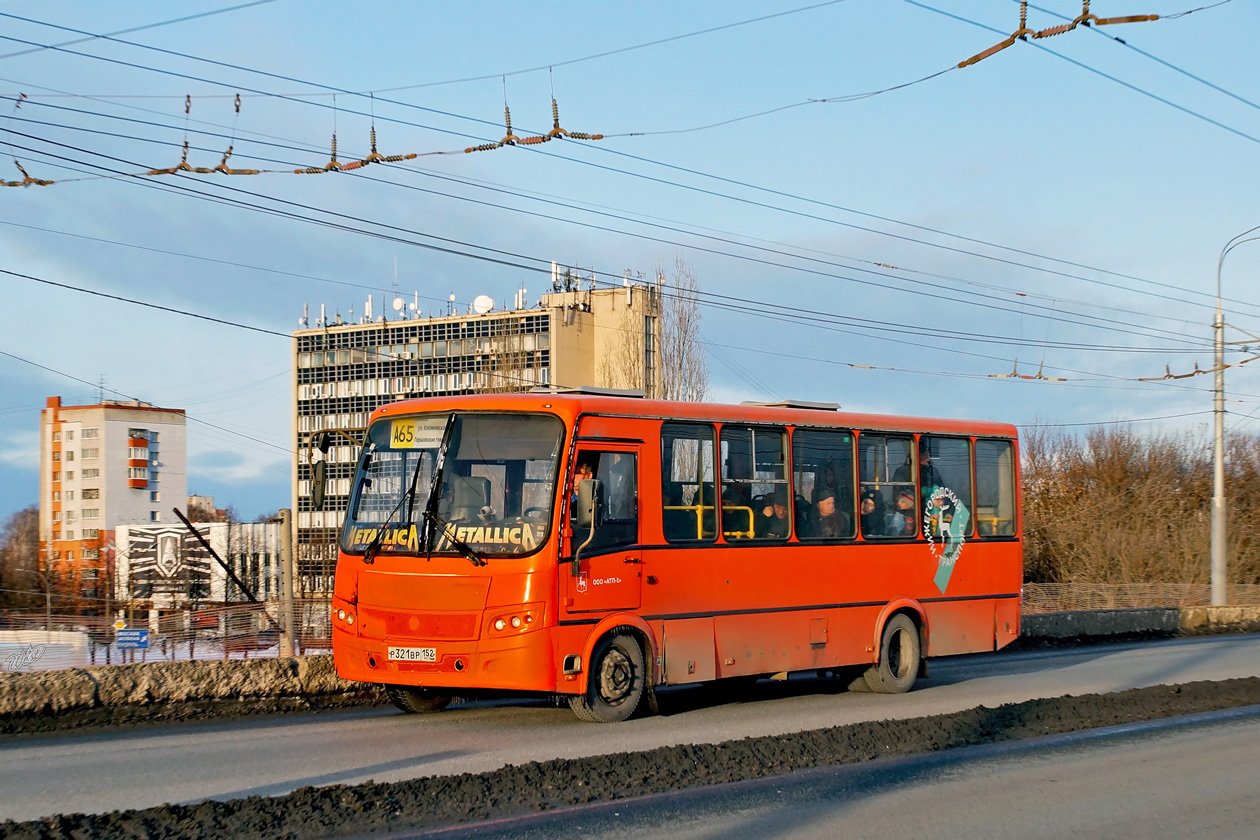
(1058, 206)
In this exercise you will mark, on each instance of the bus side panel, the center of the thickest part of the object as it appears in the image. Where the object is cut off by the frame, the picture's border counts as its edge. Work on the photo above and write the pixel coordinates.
(959, 627)
(793, 641)
(1006, 622)
(690, 651)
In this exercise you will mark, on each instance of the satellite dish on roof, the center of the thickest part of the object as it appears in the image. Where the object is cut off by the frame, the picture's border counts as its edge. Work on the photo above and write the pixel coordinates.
(483, 304)
(399, 303)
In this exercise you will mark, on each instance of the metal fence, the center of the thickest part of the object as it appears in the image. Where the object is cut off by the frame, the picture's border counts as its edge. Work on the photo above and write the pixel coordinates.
(236, 632)
(1056, 597)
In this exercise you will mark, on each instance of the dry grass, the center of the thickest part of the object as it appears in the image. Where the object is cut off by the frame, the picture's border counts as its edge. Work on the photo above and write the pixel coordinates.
(1117, 507)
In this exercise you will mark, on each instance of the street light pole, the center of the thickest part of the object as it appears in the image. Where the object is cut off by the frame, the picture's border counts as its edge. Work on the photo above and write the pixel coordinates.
(1220, 578)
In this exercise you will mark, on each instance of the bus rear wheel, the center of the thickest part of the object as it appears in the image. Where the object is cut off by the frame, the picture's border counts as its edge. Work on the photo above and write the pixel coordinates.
(615, 684)
(899, 654)
(417, 701)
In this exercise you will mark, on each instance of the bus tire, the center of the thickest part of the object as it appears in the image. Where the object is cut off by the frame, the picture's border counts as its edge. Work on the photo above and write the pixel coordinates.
(899, 655)
(616, 681)
(417, 701)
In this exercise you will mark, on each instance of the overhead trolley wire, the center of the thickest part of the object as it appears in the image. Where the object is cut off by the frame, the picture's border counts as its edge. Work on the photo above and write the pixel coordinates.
(1244, 135)
(918, 330)
(719, 178)
(97, 385)
(715, 177)
(952, 295)
(517, 194)
(111, 35)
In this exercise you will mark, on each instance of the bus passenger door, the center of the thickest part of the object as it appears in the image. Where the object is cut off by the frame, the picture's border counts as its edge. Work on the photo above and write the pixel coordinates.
(609, 573)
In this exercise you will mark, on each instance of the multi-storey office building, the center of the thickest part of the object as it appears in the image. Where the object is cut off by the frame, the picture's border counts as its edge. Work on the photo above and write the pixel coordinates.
(342, 372)
(102, 466)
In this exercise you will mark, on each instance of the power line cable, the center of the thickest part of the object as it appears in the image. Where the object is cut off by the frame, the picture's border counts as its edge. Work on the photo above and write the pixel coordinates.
(111, 35)
(802, 313)
(719, 178)
(1244, 135)
(952, 288)
(97, 385)
(1122, 42)
(952, 297)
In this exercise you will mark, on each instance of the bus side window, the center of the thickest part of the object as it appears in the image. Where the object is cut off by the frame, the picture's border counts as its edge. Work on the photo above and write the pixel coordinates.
(945, 477)
(823, 468)
(755, 503)
(995, 488)
(885, 464)
(618, 475)
(688, 490)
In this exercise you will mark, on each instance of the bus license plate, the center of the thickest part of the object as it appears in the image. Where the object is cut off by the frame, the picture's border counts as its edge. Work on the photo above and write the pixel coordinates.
(406, 654)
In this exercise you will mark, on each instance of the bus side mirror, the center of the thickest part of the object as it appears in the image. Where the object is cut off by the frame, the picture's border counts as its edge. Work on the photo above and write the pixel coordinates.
(590, 503)
(319, 484)
(323, 442)
(590, 514)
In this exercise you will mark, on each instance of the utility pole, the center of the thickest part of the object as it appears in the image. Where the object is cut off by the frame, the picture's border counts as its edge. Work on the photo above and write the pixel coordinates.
(288, 636)
(1220, 577)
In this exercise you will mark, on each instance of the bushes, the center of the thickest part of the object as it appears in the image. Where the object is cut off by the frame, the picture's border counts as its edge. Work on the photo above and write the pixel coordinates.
(1114, 506)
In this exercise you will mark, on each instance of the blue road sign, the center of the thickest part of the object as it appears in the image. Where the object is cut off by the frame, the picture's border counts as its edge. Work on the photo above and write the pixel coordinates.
(132, 638)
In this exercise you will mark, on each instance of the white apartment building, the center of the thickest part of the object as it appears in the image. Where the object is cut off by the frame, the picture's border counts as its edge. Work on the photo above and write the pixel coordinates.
(102, 466)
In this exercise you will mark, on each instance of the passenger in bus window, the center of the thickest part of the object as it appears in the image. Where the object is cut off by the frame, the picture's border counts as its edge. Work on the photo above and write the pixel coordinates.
(832, 522)
(929, 476)
(872, 513)
(773, 521)
(585, 469)
(903, 521)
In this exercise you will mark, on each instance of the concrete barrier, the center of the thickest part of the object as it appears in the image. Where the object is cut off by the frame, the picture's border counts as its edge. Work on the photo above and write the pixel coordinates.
(1219, 619)
(1100, 623)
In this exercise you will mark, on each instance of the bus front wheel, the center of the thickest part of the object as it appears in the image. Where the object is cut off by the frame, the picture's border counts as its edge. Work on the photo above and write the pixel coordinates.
(615, 683)
(899, 654)
(417, 700)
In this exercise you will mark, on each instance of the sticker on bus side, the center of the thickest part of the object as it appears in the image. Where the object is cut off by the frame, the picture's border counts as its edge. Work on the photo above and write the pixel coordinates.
(408, 654)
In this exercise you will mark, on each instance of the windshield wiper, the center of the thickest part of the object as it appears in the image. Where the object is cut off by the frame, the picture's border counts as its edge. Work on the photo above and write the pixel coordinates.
(434, 523)
(442, 526)
(374, 547)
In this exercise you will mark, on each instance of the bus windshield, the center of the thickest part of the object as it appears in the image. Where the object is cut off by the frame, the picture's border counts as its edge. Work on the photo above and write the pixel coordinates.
(496, 490)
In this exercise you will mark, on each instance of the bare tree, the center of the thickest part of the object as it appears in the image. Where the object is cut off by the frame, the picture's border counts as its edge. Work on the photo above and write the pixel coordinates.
(20, 581)
(676, 369)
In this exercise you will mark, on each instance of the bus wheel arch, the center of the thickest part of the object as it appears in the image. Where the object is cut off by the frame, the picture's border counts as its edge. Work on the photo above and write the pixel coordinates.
(617, 677)
(625, 622)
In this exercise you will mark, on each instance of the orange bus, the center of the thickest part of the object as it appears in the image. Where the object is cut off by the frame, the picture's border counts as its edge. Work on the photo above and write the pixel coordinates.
(596, 546)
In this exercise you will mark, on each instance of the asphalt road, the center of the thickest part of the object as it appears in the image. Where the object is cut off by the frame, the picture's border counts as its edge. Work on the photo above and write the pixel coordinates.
(107, 770)
(1167, 779)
